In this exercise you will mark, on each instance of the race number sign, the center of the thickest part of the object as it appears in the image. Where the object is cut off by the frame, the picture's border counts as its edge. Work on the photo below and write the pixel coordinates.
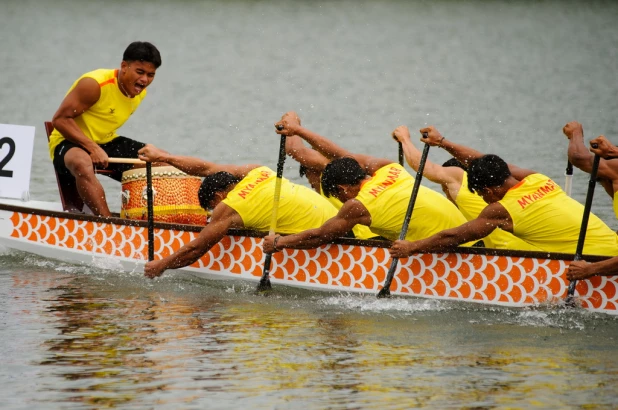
(16, 145)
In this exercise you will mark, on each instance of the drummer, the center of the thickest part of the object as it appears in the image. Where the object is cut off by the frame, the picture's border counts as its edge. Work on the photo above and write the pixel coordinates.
(85, 124)
(240, 197)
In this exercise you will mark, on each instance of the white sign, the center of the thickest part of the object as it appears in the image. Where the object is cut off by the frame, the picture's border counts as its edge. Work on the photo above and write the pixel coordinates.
(16, 146)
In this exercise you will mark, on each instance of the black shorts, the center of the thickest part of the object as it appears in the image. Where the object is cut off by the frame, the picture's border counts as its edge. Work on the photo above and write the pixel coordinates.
(119, 147)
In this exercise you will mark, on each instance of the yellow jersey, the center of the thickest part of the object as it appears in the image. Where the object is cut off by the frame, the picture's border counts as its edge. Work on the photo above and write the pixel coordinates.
(110, 112)
(616, 204)
(386, 196)
(545, 216)
(300, 208)
(360, 231)
(471, 205)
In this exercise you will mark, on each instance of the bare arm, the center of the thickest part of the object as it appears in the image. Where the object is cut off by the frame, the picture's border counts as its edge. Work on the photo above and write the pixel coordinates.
(580, 157)
(308, 157)
(464, 154)
(85, 94)
(584, 270)
(577, 152)
(223, 218)
(192, 165)
(449, 177)
(600, 145)
(350, 214)
(492, 217)
(290, 125)
(608, 168)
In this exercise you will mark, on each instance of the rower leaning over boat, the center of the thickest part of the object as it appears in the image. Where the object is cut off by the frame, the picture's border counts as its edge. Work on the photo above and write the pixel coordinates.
(453, 178)
(579, 156)
(85, 124)
(528, 204)
(241, 197)
(312, 164)
(374, 191)
(579, 270)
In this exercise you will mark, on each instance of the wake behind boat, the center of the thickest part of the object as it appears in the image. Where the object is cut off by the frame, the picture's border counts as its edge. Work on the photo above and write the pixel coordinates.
(498, 277)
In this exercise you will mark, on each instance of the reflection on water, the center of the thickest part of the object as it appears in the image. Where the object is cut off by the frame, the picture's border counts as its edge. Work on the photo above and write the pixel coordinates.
(106, 340)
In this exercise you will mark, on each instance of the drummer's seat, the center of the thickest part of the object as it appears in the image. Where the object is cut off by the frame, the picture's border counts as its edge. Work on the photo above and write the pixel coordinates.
(71, 201)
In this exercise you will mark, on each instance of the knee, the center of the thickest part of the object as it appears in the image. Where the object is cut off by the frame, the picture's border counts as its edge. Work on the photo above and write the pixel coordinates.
(80, 167)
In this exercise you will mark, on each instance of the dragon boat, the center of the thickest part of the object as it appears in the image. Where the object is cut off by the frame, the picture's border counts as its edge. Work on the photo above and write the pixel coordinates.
(480, 275)
(57, 230)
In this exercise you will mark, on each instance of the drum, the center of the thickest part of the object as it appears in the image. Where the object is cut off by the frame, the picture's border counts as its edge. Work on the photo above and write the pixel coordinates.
(174, 192)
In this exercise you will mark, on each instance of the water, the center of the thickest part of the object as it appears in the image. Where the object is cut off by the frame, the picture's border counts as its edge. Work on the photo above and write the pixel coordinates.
(503, 77)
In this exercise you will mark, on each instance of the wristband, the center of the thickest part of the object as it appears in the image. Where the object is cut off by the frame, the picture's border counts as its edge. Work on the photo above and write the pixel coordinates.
(275, 243)
(440, 143)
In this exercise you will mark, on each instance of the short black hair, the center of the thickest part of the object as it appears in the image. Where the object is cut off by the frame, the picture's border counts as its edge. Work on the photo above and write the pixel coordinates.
(213, 184)
(454, 162)
(142, 51)
(487, 171)
(341, 171)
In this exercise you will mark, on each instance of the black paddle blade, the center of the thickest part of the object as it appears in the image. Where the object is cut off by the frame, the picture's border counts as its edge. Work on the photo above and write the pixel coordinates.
(264, 285)
(265, 279)
(570, 302)
(384, 293)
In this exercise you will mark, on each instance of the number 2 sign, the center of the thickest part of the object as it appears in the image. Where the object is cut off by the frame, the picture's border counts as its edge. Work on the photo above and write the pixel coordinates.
(16, 145)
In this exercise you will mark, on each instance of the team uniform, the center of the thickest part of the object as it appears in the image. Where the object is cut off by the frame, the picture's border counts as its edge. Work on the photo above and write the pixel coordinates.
(300, 208)
(386, 196)
(545, 216)
(616, 204)
(100, 122)
(471, 205)
(360, 231)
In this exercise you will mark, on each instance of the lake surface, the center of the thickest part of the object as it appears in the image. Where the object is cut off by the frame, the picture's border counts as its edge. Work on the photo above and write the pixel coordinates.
(502, 77)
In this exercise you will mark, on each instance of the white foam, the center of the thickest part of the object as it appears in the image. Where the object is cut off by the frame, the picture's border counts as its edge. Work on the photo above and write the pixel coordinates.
(372, 304)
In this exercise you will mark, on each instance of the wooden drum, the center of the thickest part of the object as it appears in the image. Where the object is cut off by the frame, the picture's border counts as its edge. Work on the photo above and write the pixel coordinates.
(174, 192)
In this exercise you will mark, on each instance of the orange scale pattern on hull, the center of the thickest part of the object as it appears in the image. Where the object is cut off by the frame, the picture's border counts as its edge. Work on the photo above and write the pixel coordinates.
(488, 279)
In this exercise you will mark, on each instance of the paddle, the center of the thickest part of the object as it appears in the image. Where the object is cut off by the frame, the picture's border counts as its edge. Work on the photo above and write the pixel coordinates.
(149, 198)
(150, 205)
(125, 161)
(568, 181)
(265, 280)
(400, 154)
(582, 232)
(386, 289)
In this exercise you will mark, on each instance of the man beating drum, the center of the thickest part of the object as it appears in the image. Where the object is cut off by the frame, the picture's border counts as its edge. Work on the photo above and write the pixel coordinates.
(241, 197)
(85, 124)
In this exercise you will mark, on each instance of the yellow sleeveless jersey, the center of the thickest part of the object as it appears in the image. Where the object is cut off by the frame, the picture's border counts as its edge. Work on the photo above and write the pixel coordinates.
(545, 216)
(386, 196)
(616, 204)
(300, 208)
(471, 205)
(360, 231)
(110, 112)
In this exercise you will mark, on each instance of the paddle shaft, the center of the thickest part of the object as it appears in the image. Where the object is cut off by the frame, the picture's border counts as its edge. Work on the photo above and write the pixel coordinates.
(400, 154)
(386, 289)
(585, 217)
(149, 198)
(114, 160)
(150, 205)
(568, 178)
(265, 280)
